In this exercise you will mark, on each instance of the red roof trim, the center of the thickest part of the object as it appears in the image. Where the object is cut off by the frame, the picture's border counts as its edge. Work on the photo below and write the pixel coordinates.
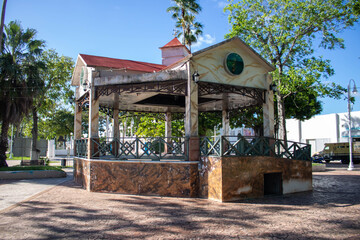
(96, 61)
(175, 43)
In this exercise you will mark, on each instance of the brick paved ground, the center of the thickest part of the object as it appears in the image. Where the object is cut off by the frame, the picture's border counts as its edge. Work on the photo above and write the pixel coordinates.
(331, 211)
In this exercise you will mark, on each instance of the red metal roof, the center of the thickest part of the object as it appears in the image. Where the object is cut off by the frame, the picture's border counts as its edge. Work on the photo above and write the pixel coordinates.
(96, 61)
(173, 43)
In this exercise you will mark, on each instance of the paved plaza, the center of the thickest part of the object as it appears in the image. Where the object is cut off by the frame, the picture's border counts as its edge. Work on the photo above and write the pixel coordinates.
(66, 211)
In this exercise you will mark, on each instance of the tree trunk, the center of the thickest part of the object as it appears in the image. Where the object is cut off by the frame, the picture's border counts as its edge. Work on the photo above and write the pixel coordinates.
(18, 129)
(281, 116)
(4, 142)
(34, 132)
(183, 24)
(2, 24)
(281, 109)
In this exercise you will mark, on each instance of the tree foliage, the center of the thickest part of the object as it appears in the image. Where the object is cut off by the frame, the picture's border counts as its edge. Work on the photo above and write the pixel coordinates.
(32, 80)
(207, 122)
(357, 7)
(19, 77)
(57, 77)
(61, 123)
(192, 30)
(284, 32)
(184, 12)
(153, 124)
(248, 118)
(56, 95)
(54, 92)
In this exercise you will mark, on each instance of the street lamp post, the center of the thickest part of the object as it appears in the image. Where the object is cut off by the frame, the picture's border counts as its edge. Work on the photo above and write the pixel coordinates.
(351, 164)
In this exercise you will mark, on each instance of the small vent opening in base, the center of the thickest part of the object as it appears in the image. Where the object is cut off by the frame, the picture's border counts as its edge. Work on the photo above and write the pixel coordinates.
(273, 184)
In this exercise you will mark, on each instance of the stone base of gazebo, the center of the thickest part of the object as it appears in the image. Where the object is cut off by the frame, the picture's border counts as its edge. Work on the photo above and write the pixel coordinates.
(234, 178)
(160, 178)
(217, 178)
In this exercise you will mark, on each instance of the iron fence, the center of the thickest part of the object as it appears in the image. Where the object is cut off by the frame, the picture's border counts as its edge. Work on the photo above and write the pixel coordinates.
(81, 147)
(153, 148)
(157, 148)
(253, 146)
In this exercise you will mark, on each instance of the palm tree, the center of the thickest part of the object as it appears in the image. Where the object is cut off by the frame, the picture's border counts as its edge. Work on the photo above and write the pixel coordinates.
(192, 30)
(184, 13)
(19, 79)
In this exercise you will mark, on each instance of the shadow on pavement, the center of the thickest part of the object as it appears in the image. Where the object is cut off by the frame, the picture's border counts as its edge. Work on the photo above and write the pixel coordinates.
(67, 211)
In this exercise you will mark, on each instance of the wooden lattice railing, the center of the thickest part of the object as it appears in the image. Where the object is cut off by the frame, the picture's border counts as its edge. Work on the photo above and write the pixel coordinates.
(154, 148)
(157, 148)
(253, 146)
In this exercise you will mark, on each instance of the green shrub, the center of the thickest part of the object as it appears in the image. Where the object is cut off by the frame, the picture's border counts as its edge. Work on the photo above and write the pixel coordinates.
(25, 168)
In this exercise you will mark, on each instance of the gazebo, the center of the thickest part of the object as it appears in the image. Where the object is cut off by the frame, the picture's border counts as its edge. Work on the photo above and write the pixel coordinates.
(223, 78)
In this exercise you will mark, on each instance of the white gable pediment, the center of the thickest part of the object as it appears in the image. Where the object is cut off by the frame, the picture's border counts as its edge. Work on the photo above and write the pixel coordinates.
(210, 64)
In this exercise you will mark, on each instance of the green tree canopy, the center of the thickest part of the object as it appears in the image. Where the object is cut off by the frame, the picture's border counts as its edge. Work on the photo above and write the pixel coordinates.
(192, 30)
(357, 7)
(19, 77)
(153, 124)
(60, 123)
(184, 12)
(54, 99)
(284, 32)
(54, 93)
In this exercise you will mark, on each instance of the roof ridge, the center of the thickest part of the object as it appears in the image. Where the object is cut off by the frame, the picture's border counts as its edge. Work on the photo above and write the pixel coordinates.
(121, 59)
(100, 61)
(173, 43)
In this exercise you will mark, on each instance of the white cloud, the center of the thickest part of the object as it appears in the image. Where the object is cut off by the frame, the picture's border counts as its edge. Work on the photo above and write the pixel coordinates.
(222, 4)
(206, 39)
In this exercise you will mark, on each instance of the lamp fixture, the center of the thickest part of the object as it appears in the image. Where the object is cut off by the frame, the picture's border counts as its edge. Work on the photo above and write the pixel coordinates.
(354, 91)
(196, 77)
(85, 85)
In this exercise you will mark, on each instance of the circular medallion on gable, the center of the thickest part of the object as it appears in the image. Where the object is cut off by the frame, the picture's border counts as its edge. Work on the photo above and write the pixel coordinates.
(234, 64)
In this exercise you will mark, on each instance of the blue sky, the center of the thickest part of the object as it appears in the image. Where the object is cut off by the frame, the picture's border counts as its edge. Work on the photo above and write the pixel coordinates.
(136, 29)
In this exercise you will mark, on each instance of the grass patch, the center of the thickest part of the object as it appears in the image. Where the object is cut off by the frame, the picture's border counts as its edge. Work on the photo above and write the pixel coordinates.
(24, 168)
(317, 164)
(16, 158)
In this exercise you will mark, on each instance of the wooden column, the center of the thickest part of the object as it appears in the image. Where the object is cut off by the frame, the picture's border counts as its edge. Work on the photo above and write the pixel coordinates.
(225, 121)
(116, 132)
(77, 125)
(268, 111)
(167, 131)
(225, 115)
(191, 117)
(93, 124)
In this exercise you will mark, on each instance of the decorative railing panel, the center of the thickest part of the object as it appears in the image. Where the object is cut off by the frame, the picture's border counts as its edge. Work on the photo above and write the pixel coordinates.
(157, 148)
(81, 147)
(154, 148)
(253, 146)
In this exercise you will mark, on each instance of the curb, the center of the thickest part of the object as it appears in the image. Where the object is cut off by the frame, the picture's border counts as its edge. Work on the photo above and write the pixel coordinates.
(319, 168)
(31, 174)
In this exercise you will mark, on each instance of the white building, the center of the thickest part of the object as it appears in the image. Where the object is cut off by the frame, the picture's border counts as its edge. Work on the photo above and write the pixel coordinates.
(321, 129)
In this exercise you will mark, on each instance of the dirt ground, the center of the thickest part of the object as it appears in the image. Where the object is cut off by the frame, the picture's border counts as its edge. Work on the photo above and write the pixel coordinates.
(331, 211)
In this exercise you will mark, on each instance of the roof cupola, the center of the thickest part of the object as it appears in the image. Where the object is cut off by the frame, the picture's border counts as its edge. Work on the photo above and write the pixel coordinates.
(173, 51)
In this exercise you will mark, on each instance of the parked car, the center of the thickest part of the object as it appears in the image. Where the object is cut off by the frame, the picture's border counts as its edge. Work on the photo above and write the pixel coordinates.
(339, 151)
